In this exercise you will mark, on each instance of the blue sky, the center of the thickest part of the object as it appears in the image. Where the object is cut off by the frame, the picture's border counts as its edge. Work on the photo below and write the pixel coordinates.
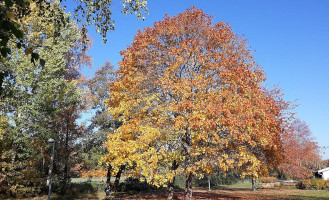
(290, 39)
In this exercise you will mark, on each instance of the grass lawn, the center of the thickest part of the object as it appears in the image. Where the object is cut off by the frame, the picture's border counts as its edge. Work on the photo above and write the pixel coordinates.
(80, 180)
(239, 185)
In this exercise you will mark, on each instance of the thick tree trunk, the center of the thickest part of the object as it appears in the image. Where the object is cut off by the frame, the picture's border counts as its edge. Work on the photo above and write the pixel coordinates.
(117, 177)
(188, 187)
(188, 183)
(108, 181)
(253, 183)
(108, 176)
(172, 183)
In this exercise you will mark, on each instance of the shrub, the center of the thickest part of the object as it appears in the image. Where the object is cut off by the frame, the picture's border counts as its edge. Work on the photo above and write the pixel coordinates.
(134, 184)
(305, 184)
(78, 188)
(268, 179)
(311, 184)
(180, 181)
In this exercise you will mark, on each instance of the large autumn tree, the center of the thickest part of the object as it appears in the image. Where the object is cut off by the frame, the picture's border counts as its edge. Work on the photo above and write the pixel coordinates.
(190, 100)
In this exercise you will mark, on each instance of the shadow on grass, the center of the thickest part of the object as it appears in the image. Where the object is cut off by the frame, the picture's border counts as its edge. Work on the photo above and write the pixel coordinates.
(85, 190)
(224, 193)
(302, 197)
(210, 195)
(230, 188)
(70, 197)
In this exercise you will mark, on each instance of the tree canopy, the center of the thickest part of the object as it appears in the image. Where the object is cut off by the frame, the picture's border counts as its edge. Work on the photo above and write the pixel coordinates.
(41, 102)
(191, 101)
(301, 152)
(86, 13)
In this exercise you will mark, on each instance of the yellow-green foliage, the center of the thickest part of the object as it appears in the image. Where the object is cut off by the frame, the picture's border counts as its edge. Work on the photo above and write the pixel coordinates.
(2, 123)
(314, 184)
(31, 110)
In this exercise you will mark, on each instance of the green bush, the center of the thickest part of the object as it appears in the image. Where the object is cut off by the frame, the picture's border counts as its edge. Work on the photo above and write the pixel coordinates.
(180, 181)
(314, 184)
(79, 188)
(133, 184)
(268, 179)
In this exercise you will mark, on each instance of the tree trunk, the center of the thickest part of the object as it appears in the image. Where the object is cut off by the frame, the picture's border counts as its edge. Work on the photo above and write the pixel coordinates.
(117, 177)
(188, 183)
(66, 164)
(188, 187)
(171, 189)
(108, 181)
(108, 176)
(209, 183)
(253, 183)
(172, 183)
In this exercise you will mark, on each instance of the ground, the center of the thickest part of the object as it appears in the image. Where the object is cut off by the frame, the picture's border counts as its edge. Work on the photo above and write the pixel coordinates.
(236, 194)
(219, 194)
(238, 191)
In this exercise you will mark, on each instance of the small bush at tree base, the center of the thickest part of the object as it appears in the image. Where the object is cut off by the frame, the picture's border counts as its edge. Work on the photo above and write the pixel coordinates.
(314, 184)
(134, 184)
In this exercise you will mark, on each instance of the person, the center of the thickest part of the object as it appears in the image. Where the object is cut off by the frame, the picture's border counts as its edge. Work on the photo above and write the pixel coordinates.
(108, 190)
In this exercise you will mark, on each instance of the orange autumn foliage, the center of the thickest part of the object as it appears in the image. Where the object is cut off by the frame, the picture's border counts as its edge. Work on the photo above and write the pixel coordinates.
(189, 92)
(301, 152)
(99, 173)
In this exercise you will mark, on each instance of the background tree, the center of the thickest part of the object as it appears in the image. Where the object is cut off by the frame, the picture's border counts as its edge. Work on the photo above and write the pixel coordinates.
(12, 12)
(43, 101)
(94, 12)
(302, 153)
(91, 149)
(188, 92)
(14, 34)
(66, 125)
(325, 163)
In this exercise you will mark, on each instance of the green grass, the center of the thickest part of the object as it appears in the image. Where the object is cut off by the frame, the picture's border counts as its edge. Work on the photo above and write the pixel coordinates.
(295, 194)
(324, 195)
(239, 185)
(81, 180)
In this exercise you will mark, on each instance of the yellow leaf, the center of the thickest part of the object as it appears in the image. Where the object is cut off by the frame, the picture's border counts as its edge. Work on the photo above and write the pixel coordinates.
(28, 51)
(11, 15)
